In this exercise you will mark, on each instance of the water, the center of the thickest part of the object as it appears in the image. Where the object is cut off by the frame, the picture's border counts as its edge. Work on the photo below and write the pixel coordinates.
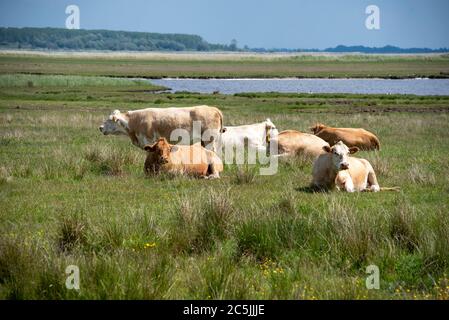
(362, 86)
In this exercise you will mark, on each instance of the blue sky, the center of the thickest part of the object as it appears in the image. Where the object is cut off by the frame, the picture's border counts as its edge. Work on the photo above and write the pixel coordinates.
(256, 23)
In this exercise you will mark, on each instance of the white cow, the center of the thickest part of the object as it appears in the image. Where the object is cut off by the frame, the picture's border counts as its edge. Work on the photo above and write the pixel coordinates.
(253, 136)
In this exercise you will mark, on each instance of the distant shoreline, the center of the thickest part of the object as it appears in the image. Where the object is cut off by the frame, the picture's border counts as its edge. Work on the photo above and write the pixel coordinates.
(206, 55)
(225, 65)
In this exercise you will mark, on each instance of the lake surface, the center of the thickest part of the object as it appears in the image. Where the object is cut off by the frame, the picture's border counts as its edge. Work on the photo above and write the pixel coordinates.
(362, 86)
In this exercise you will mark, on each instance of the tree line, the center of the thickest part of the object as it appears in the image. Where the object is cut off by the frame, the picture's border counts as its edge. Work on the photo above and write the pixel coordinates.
(64, 39)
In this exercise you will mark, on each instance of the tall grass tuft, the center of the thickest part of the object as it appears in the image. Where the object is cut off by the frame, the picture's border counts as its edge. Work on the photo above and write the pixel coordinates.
(419, 175)
(72, 232)
(110, 161)
(244, 175)
(15, 271)
(352, 233)
(5, 175)
(269, 231)
(199, 227)
(403, 228)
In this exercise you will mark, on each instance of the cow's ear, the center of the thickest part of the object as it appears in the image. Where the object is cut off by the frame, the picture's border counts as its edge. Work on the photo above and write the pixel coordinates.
(353, 150)
(327, 149)
(149, 147)
(174, 148)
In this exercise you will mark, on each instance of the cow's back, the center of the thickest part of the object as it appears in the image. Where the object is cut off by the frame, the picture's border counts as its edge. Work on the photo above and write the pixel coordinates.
(237, 135)
(152, 123)
(210, 117)
(296, 142)
(189, 159)
(352, 137)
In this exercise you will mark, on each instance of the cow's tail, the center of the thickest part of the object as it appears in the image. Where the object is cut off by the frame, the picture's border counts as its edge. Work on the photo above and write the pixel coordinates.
(390, 189)
(221, 121)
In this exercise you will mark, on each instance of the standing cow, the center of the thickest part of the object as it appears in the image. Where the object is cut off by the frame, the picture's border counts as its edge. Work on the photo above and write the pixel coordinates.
(145, 126)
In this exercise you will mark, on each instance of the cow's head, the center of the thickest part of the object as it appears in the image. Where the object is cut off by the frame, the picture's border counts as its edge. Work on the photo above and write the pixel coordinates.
(270, 129)
(115, 124)
(317, 128)
(340, 155)
(160, 150)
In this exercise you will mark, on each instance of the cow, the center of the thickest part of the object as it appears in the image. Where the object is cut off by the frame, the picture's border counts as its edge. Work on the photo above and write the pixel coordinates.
(293, 142)
(145, 126)
(335, 168)
(254, 136)
(352, 137)
(192, 160)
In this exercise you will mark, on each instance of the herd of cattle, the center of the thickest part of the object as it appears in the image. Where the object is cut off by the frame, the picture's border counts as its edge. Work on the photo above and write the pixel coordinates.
(330, 148)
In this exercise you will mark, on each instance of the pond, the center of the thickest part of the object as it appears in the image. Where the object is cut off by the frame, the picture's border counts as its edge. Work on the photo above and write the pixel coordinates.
(418, 86)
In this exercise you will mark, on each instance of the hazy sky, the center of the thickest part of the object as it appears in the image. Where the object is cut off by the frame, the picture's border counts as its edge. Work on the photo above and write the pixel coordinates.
(256, 23)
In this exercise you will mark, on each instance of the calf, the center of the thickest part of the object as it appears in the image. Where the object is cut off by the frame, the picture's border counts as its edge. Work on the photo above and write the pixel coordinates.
(192, 160)
(336, 168)
(352, 137)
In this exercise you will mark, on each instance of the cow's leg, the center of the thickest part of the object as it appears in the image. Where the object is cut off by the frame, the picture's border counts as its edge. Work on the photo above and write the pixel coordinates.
(349, 185)
(343, 181)
(212, 173)
(213, 144)
(281, 155)
(372, 184)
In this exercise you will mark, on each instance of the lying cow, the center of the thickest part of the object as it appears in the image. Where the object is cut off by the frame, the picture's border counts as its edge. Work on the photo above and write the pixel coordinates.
(352, 137)
(253, 136)
(147, 125)
(180, 159)
(292, 142)
(336, 168)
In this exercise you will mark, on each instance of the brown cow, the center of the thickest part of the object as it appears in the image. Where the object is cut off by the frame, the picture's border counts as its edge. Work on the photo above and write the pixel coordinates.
(192, 160)
(352, 137)
(292, 142)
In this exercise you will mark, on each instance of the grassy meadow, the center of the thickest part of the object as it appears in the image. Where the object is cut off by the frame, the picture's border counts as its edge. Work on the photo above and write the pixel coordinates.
(71, 196)
(215, 65)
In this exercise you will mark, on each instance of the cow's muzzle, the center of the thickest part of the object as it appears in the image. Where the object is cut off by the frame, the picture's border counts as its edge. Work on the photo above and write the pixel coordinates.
(344, 166)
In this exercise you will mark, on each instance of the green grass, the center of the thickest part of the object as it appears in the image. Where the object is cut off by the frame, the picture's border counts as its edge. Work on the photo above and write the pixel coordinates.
(219, 66)
(69, 195)
(29, 80)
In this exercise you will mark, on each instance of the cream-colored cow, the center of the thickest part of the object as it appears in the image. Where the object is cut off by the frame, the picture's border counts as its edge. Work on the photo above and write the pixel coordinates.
(145, 126)
(293, 142)
(337, 169)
